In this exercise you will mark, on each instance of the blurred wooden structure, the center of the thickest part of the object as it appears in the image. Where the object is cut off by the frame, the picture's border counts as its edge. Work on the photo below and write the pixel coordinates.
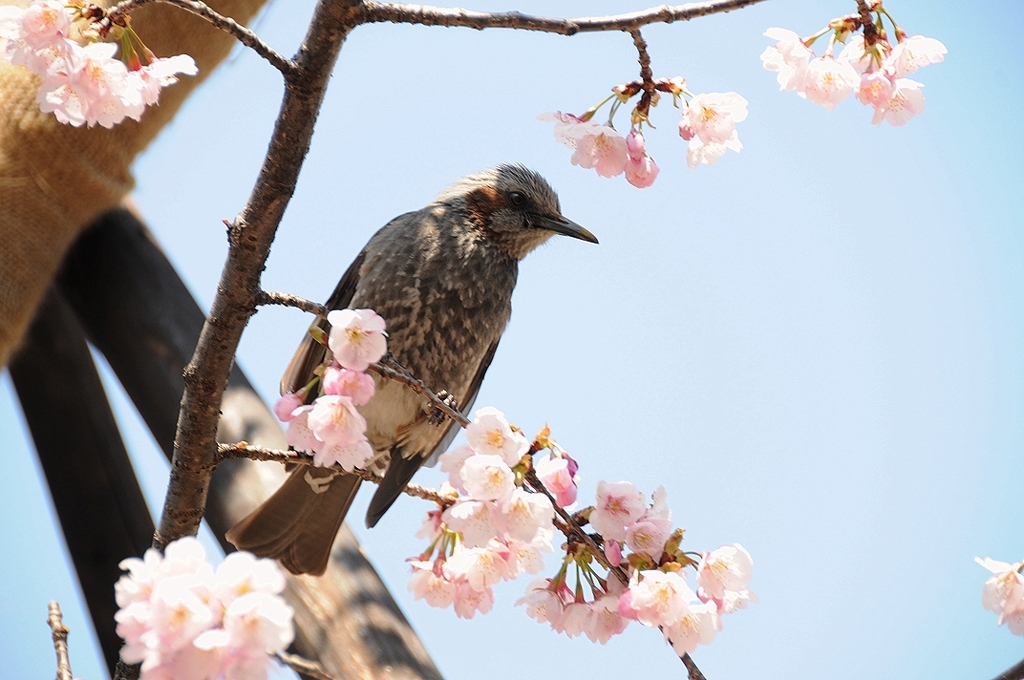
(118, 292)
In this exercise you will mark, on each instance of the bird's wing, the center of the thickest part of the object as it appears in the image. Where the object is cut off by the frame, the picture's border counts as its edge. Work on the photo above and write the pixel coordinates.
(400, 469)
(474, 390)
(311, 353)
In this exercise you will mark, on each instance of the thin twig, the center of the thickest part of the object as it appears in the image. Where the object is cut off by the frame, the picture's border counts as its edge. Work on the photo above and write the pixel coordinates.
(251, 452)
(289, 300)
(304, 666)
(226, 24)
(59, 633)
(376, 12)
(870, 30)
(392, 370)
(646, 75)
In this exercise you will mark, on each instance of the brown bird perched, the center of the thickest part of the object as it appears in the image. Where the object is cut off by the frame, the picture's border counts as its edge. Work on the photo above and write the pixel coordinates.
(442, 278)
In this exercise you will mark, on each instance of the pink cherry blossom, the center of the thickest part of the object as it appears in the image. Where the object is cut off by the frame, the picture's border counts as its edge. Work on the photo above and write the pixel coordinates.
(42, 22)
(468, 601)
(906, 102)
(491, 434)
(648, 536)
(702, 153)
(603, 149)
(285, 406)
(724, 570)
(429, 583)
(335, 421)
(613, 552)
(477, 521)
(789, 56)
(697, 625)
(914, 53)
(543, 604)
(349, 456)
(452, 462)
(617, 506)
(656, 598)
(568, 128)
(526, 558)
(357, 337)
(299, 435)
(828, 81)
(356, 385)
(641, 172)
(481, 567)
(158, 74)
(876, 88)
(556, 474)
(431, 527)
(713, 116)
(526, 514)
(860, 57)
(605, 620)
(1004, 593)
(487, 477)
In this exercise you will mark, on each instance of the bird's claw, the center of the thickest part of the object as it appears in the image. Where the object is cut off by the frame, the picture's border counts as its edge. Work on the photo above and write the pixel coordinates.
(438, 416)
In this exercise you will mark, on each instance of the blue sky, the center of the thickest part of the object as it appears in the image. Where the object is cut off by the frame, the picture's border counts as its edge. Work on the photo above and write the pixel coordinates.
(815, 345)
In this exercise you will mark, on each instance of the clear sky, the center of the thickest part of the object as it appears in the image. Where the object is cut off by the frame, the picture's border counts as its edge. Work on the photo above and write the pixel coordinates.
(815, 345)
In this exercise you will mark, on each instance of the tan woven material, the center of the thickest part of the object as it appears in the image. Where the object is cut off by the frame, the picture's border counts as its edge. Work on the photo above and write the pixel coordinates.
(55, 179)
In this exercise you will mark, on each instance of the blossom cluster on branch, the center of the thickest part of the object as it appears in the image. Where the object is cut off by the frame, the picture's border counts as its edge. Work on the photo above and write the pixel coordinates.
(82, 82)
(870, 66)
(708, 125)
(1004, 593)
(182, 619)
(330, 428)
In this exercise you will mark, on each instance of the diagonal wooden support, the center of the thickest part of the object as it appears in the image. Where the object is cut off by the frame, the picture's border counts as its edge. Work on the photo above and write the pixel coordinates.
(138, 313)
(97, 498)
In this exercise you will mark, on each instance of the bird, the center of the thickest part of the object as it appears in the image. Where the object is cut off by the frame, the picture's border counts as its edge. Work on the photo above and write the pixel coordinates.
(442, 278)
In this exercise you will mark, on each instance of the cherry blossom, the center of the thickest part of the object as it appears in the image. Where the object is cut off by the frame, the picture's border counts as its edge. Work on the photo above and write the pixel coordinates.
(348, 456)
(713, 116)
(914, 53)
(603, 149)
(487, 477)
(1004, 593)
(829, 81)
(83, 84)
(356, 385)
(789, 56)
(557, 472)
(656, 598)
(906, 101)
(285, 406)
(429, 583)
(334, 420)
(357, 337)
(617, 505)
(568, 128)
(723, 573)
(181, 619)
(697, 625)
(491, 434)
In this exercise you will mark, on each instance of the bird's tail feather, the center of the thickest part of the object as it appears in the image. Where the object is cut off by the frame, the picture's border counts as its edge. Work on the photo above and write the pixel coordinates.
(298, 524)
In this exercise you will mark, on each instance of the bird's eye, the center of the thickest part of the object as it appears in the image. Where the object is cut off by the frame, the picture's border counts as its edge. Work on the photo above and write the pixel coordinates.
(516, 199)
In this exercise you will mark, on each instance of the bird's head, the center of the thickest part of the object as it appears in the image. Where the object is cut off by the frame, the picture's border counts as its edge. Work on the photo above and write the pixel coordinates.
(514, 207)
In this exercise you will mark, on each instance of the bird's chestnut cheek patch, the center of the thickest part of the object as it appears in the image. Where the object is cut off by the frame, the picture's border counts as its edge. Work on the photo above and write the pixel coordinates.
(483, 202)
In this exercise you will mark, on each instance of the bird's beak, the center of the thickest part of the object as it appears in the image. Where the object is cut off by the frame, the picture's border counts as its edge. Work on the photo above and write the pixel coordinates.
(560, 225)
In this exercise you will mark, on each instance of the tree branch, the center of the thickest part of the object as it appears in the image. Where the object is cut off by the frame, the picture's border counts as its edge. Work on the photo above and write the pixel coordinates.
(59, 633)
(250, 236)
(289, 300)
(392, 370)
(376, 12)
(119, 12)
(250, 452)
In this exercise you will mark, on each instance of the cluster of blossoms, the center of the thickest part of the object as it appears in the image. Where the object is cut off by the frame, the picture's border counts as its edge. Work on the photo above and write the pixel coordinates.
(494, 530)
(82, 82)
(1004, 593)
(330, 428)
(708, 124)
(640, 543)
(498, 525)
(869, 66)
(182, 619)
